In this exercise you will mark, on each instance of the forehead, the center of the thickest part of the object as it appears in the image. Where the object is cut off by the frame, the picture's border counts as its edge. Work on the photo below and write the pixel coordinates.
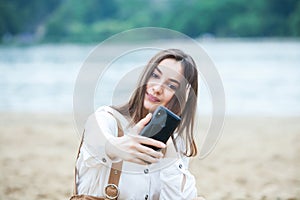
(171, 67)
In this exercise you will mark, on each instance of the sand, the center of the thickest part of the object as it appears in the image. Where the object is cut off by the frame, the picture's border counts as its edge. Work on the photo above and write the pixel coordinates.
(256, 158)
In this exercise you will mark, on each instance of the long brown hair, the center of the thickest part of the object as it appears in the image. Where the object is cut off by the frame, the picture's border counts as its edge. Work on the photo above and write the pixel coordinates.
(183, 103)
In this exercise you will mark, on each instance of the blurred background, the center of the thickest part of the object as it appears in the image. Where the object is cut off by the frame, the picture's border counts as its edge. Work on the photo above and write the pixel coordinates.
(93, 20)
(255, 46)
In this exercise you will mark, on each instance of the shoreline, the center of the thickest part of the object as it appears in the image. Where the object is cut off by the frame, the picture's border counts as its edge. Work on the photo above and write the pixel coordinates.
(198, 39)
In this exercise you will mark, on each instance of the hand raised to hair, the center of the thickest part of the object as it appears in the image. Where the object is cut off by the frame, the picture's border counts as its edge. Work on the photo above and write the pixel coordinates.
(130, 147)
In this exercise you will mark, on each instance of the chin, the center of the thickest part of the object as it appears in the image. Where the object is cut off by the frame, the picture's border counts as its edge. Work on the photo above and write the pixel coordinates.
(150, 107)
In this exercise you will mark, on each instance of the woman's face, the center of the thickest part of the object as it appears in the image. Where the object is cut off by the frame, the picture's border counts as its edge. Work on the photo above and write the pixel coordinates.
(163, 83)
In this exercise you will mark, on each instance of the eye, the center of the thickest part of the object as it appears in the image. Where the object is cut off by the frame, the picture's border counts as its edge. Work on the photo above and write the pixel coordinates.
(172, 86)
(154, 75)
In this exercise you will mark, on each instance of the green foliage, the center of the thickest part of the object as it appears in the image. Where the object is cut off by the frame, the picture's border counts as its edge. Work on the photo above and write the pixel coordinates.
(19, 17)
(294, 21)
(95, 20)
(84, 21)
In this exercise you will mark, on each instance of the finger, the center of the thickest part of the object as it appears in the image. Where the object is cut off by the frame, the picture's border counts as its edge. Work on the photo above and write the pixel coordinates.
(141, 159)
(150, 151)
(150, 141)
(146, 158)
(143, 122)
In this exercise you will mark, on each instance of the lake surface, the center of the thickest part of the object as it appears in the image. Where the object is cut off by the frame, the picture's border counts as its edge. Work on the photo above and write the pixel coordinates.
(260, 77)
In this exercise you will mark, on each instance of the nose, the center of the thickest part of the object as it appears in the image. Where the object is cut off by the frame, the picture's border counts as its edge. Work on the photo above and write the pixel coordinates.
(157, 88)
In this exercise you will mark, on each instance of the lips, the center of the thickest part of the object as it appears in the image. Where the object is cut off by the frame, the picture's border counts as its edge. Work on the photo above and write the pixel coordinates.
(152, 98)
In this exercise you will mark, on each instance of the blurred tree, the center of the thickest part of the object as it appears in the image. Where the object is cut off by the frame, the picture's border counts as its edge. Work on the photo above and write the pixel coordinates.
(80, 20)
(9, 23)
(95, 20)
(20, 16)
(294, 21)
(275, 15)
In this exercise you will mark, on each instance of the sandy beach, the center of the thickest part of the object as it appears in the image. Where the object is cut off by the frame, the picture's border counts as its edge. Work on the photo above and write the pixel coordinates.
(256, 158)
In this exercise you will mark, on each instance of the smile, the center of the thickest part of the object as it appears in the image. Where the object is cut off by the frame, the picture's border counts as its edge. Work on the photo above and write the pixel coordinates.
(152, 98)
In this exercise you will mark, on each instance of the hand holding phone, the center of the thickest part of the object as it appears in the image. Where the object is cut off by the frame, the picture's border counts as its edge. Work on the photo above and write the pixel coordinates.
(161, 126)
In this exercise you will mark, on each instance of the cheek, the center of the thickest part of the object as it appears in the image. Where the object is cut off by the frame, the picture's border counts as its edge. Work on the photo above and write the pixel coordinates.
(148, 86)
(168, 96)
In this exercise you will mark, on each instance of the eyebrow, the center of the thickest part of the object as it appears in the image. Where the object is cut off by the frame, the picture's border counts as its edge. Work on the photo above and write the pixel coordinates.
(171, 79)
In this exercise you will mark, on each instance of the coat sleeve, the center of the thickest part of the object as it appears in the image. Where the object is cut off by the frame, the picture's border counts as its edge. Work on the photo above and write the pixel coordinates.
(99, 127)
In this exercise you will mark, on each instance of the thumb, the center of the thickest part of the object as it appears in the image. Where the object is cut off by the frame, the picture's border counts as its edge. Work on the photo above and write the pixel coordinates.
(143, 122)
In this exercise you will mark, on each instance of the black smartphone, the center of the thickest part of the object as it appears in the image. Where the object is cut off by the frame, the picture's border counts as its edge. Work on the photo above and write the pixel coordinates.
(161, 126)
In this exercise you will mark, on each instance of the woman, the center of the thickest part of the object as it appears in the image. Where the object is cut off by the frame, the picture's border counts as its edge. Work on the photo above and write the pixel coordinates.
(170, 79)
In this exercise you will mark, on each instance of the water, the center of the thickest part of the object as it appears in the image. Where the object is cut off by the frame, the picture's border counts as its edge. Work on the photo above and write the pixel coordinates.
(259, 77)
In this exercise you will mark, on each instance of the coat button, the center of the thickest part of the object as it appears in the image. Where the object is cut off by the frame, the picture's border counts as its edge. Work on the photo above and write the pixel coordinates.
(146, 196)
(146, 171)
(103, 160)
(180, 166)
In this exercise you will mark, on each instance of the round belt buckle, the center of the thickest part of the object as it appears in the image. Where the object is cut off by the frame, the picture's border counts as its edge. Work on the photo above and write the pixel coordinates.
(112, 186)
